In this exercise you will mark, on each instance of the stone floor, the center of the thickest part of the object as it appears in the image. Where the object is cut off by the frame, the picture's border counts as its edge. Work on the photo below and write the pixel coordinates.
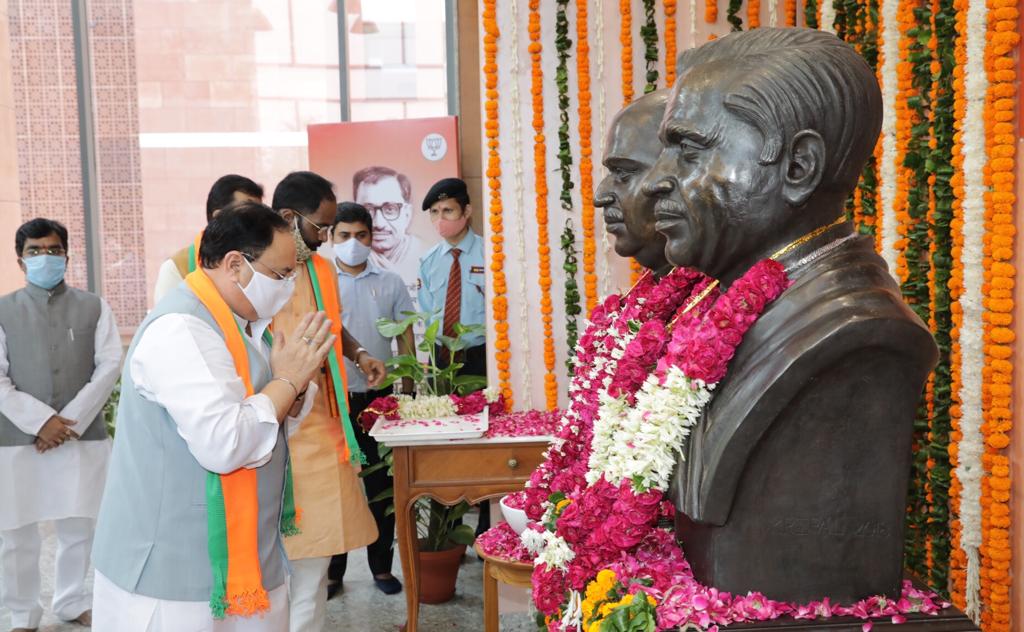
(360, 607)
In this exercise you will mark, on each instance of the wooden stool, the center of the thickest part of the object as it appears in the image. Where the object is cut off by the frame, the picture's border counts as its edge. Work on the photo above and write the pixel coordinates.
(499, 570)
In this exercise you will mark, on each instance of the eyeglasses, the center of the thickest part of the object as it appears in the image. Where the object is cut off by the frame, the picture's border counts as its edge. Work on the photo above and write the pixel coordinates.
(323, 233)
(35, 251)
(390, 210)
(282, 277)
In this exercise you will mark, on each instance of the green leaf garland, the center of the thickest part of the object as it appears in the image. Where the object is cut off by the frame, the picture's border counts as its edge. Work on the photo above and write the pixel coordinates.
(649, 33)
(811, 14)
(563, 46)
(732, 15)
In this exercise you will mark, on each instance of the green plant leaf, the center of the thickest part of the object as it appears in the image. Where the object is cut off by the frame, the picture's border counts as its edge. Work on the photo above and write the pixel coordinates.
(384, 495)
(462, 534)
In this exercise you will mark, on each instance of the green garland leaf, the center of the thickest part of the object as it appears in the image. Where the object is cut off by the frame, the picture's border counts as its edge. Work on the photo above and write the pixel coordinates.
(732, 15)
(563, 46)
(811, 14)
(649, 34)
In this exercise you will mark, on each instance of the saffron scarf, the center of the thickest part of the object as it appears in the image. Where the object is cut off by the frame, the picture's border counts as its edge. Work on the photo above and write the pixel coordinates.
(326, 295)
(232, 500)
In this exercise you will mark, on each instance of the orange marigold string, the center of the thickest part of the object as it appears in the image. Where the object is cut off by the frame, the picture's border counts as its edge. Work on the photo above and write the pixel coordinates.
(710, 11)
(586, 157)
(790, 12)
(753, 14)
(905, 120)
(670, 42)
(997, 386)
(958, 557)
(499, 303)
(626, 42)
(540, 179)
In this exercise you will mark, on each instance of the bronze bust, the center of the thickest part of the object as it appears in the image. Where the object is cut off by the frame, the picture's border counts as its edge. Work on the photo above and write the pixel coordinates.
(631, 149)
(794, 482)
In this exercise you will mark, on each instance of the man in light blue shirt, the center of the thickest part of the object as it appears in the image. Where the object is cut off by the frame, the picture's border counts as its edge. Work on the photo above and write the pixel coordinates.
(368, 293)
(452, 272)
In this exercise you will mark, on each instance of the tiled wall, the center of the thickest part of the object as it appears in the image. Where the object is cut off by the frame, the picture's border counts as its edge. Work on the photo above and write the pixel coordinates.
(45, 99)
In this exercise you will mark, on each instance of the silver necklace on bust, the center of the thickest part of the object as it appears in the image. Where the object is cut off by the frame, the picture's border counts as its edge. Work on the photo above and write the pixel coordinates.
(820, 252)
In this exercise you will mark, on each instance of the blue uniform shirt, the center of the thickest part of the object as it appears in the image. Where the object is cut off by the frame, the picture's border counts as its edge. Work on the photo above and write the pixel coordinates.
(435, 267)
(366, 297)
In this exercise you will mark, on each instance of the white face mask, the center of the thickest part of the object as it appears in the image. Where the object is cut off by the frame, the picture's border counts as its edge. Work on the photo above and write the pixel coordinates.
(267, 295)
(352, 252)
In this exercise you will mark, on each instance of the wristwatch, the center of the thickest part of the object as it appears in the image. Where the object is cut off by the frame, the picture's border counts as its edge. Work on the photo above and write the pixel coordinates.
(359, 351)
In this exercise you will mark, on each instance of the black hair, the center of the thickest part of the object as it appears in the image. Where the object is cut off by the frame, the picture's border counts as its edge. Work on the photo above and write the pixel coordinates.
(37, 229)
(247, 227)
(352, 213)
(222, 193)
(303, 192)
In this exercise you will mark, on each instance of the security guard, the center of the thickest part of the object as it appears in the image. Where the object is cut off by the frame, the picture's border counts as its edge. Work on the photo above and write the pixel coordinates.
(452, 272)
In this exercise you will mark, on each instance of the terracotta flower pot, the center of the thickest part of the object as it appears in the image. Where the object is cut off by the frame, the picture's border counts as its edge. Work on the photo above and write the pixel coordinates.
(438, 572)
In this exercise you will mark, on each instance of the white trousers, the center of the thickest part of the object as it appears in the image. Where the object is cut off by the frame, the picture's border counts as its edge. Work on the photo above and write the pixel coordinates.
(307, 588)
(117, 610)
(19, 557)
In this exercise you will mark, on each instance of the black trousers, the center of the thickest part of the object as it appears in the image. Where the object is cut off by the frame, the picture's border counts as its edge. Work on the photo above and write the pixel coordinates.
(474, 360)
(381, 553)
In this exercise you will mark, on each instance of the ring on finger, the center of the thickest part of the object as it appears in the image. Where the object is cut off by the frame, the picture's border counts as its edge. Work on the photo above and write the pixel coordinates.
(308, 340)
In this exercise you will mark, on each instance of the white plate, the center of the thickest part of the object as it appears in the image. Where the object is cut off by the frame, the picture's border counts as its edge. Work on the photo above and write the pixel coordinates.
(408, 430)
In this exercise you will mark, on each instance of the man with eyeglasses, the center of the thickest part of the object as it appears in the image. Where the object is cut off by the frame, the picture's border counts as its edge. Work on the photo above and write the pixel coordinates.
(197, 499)
(59, 356)
(326, 456)
(227, 189)
(387, 195)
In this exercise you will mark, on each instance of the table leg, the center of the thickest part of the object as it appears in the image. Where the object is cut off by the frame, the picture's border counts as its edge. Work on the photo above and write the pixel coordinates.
(490, 599)
(405, 526)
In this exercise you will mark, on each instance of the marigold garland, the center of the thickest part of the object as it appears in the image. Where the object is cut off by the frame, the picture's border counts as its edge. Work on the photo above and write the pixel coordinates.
(711, 11)
(670, 42)
(649, 34)
(790, 12)
(753, 14)
(958, 557)
(540, 179)
(997, 389)
(586, 156)
(499, 304)
(626, 46)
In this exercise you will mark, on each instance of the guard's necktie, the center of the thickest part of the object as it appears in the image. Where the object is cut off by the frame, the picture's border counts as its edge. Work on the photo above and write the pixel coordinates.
(453, 298)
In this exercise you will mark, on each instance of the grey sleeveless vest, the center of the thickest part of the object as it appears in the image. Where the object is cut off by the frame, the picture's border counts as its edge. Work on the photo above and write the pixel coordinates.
(51, 338)
(151, 536)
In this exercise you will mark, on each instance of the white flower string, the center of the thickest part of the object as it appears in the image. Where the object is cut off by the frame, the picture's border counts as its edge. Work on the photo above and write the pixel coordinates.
(606, 244)
(773, 12)
(526, 389)
(887, 170)
(693, 23)
(828, 16)
(969, 468)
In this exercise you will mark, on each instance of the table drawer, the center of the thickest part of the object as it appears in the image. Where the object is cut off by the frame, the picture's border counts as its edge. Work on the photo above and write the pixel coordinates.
(474, 464)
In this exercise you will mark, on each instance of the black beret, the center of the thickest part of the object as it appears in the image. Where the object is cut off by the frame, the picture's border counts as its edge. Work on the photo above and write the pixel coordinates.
(444, 189)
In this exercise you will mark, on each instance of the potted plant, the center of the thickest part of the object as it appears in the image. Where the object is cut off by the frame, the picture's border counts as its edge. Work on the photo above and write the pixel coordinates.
(442, 536)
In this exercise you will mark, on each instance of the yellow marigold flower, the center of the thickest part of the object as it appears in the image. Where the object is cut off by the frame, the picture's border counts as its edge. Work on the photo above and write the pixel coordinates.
(562, 503)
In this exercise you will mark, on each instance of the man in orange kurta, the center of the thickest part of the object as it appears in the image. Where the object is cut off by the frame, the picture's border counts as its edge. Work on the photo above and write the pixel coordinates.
(335, 517)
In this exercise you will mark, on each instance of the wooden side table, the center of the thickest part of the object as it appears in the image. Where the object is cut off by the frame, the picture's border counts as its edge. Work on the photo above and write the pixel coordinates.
(451, 471)
(497, 570)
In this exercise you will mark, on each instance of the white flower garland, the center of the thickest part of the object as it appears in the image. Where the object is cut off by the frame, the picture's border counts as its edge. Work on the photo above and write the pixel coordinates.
(971, 447)
(520, 221)
(887, 170)
(693, 22)
(827, 22)
(425, 407)
(642, 444)
(606, 244)
(773, 13)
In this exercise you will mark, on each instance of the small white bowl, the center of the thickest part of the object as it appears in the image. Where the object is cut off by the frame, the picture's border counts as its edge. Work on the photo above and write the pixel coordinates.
(516, 518)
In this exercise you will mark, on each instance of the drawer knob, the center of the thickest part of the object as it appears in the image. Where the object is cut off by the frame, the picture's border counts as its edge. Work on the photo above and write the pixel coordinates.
(513, 464)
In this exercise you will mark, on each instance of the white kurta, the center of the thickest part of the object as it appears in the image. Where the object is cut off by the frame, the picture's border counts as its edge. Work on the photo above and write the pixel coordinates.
(67, 481)
(182, 364)
(167, 278)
